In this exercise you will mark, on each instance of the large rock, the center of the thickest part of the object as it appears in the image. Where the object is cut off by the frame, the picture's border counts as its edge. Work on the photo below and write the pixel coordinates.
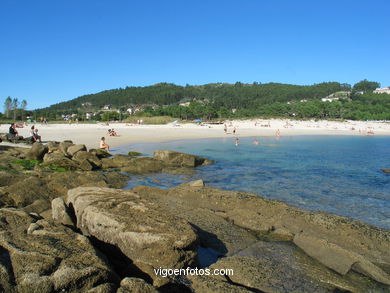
(178, 159)
(100, 153)
(338, 258)
(54, 156)
(148, 235)
(40, 257)
(229, 221)
(143, 166)
(60, 212)
(37, 151)
(135, 285)
(58, 184)
(58, 159)
(282, 267)
(386, 170)
(27, 191)
(72, 150)
(63, 146)
(81, 156)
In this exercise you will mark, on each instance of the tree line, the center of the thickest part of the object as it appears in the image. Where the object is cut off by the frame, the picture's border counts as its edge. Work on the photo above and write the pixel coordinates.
(13, 109)
(223, 100)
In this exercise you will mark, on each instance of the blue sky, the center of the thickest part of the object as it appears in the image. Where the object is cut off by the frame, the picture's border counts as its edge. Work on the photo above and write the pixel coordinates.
(51, 51)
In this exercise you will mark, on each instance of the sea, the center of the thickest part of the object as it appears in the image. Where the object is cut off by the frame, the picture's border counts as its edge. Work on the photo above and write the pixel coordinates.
(336, 174)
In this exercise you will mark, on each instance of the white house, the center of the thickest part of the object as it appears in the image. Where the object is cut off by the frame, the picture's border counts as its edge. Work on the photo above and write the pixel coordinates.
(329, 99)
(383, 90)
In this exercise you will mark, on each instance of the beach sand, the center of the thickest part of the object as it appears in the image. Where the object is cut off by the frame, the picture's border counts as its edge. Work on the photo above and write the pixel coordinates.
(90, 134)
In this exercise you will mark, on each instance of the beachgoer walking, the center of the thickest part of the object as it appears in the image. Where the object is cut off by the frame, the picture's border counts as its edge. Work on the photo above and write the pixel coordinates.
(225, 128)
(234, 130)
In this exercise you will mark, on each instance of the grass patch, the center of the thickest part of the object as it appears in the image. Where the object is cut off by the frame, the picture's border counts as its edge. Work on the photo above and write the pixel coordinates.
(134, 154)
(26, 164)
(57, 169)
(6, 169)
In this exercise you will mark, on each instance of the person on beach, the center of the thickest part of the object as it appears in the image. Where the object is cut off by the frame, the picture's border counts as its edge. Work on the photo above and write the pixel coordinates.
(278, 133)
(112, 132)
(103, 144)
(12, 132)
(36, 137)
(225, 128)
(234, 130)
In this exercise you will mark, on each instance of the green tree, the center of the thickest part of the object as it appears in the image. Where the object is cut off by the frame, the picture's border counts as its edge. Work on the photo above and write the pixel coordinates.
(23, 106)
(8, 106)
(15, 105)
(366, 86)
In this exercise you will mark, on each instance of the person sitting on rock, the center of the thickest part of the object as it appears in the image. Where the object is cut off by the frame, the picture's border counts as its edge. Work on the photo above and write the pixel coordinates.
(103, 144)
(36, 137)
(12, 133)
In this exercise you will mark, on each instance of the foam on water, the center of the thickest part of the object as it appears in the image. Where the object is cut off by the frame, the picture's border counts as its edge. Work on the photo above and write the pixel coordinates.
(338, 174)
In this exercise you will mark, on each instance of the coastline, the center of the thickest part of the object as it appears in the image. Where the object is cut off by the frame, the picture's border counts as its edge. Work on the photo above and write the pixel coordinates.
(90, 134)
(188, 226)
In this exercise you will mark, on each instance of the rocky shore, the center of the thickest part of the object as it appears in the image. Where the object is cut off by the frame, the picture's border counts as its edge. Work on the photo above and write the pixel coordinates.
(68, 226)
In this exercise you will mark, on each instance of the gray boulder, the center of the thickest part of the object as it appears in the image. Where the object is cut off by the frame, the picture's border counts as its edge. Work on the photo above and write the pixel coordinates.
(178, 159)
(135, 285)
(72, 150)
(40, 257)
(63, 146)
(37, 151)
(148, 235)
(60, 212)
(81, 156)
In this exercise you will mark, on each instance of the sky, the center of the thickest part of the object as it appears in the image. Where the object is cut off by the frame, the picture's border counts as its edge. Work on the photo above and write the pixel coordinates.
(52, 51)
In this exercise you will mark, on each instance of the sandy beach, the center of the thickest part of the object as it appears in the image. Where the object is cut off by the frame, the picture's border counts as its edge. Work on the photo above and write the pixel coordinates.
(90, 134)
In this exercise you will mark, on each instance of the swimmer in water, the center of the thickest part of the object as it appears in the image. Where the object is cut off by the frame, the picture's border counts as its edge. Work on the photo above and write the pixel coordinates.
(237, 142)
(256, 142)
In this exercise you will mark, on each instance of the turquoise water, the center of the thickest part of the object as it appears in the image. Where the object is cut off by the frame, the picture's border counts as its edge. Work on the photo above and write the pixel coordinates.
(337, 174)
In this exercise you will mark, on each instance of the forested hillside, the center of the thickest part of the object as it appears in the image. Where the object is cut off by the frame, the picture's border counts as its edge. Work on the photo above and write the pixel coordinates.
(237, 95)
(222, 100)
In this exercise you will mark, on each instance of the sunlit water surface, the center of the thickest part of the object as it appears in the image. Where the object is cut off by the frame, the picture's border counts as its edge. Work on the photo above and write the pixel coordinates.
(337, 174)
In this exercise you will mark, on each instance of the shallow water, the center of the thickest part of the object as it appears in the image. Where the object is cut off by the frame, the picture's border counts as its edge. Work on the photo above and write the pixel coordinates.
(338, 174)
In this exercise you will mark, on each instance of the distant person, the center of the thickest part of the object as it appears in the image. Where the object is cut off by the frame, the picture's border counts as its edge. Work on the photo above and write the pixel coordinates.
(237, 142)
(103, 144)
(277, 133)
(225, 128)
(234, 130)
(36, 136)
(12, 132)
(32, 130)
(112, 132)
(256, 142)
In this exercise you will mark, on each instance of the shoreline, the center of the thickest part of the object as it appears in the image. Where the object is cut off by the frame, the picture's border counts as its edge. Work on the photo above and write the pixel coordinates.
(90, 134)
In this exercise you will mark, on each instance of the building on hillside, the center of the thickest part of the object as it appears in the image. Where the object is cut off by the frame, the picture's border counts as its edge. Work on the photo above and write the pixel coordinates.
(383, 90)
(329, 99)
(107, 107)
(186, 104)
